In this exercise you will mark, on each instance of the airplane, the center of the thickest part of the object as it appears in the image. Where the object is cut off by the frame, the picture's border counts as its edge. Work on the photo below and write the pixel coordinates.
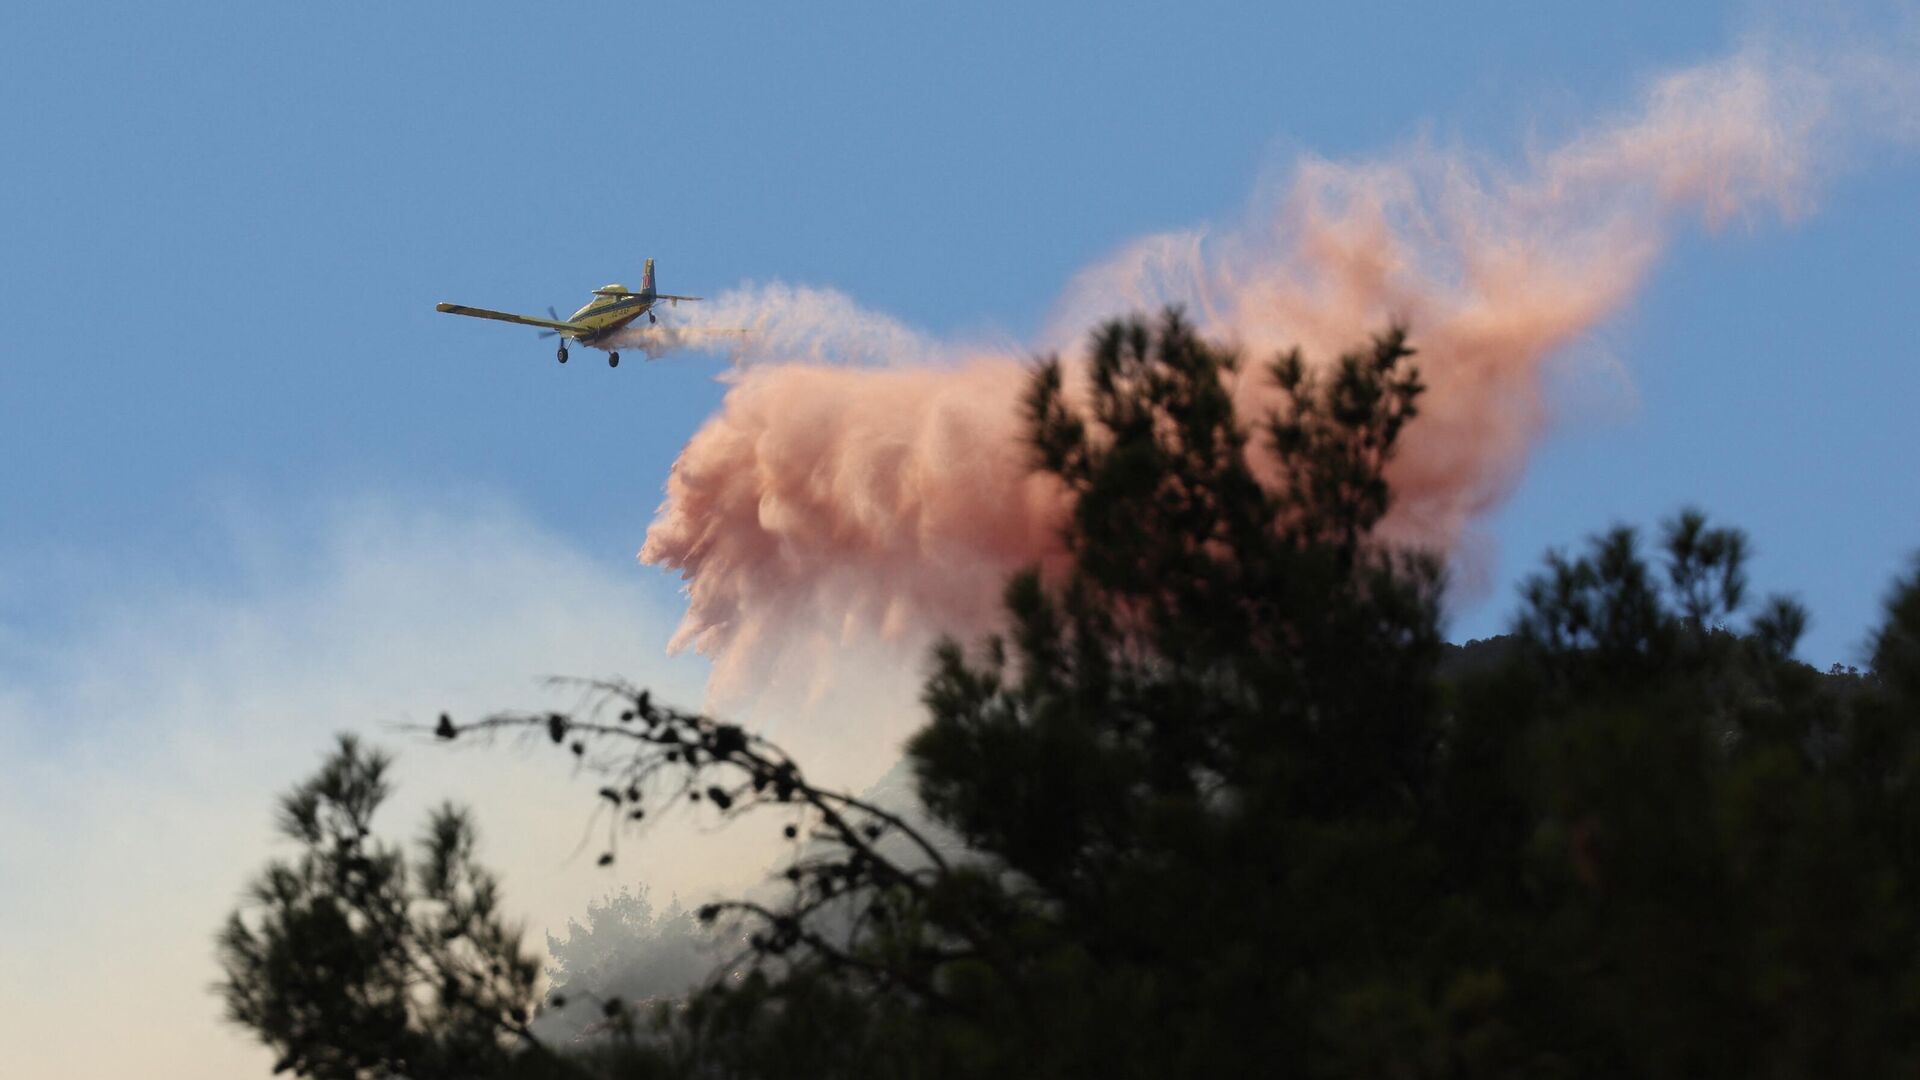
(610, 310)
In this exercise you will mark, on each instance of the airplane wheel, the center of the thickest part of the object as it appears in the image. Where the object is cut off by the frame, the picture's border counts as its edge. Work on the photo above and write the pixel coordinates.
(650, 318)
(563, 356)
(613, 359)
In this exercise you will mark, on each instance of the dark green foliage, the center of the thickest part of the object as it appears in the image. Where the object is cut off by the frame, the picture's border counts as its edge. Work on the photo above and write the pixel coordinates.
(1222, 720)
(1697, 847)
(352, 961)
(1896, 649)
(1225, 804)
(1203, 758)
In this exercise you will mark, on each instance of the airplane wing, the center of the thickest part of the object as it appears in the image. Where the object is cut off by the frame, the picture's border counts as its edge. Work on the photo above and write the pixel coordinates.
(505, 316)
(670, 296)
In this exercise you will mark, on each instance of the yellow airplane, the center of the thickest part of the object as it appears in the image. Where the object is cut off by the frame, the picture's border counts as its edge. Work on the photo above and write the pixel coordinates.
(610, 310)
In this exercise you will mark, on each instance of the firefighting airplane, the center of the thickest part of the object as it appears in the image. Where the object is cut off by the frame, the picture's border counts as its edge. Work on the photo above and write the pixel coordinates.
(609, 312)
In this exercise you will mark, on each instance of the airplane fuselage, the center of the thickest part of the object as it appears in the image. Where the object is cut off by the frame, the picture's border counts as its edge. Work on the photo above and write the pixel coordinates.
(604, 315)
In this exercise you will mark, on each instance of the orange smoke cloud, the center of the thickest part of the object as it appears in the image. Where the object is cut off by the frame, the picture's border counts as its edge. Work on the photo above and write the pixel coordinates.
(863, 482)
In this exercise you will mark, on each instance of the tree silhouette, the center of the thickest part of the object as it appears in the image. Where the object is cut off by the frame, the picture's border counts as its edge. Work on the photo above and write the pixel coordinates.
(1233, 668)
(353, 961)
(1219, 800)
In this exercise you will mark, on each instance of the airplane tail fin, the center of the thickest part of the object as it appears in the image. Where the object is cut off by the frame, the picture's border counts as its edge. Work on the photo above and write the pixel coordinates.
(646, 279)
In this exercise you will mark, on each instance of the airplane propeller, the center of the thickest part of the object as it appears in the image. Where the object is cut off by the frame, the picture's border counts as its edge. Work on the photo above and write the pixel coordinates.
(556, 318)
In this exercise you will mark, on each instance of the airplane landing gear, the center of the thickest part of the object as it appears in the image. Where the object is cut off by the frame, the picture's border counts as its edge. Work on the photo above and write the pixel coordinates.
(650, 318)
(613, 359)
(562, 354)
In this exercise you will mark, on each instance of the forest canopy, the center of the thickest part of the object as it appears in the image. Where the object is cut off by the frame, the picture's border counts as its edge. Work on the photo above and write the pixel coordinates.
(1219, 799)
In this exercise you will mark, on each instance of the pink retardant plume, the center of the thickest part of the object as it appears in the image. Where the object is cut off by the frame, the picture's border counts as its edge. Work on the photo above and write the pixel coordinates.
(887, 496)
(851, 501)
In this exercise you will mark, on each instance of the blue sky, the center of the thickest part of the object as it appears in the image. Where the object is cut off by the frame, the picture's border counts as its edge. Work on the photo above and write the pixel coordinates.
(228, 228)
(225, 227)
